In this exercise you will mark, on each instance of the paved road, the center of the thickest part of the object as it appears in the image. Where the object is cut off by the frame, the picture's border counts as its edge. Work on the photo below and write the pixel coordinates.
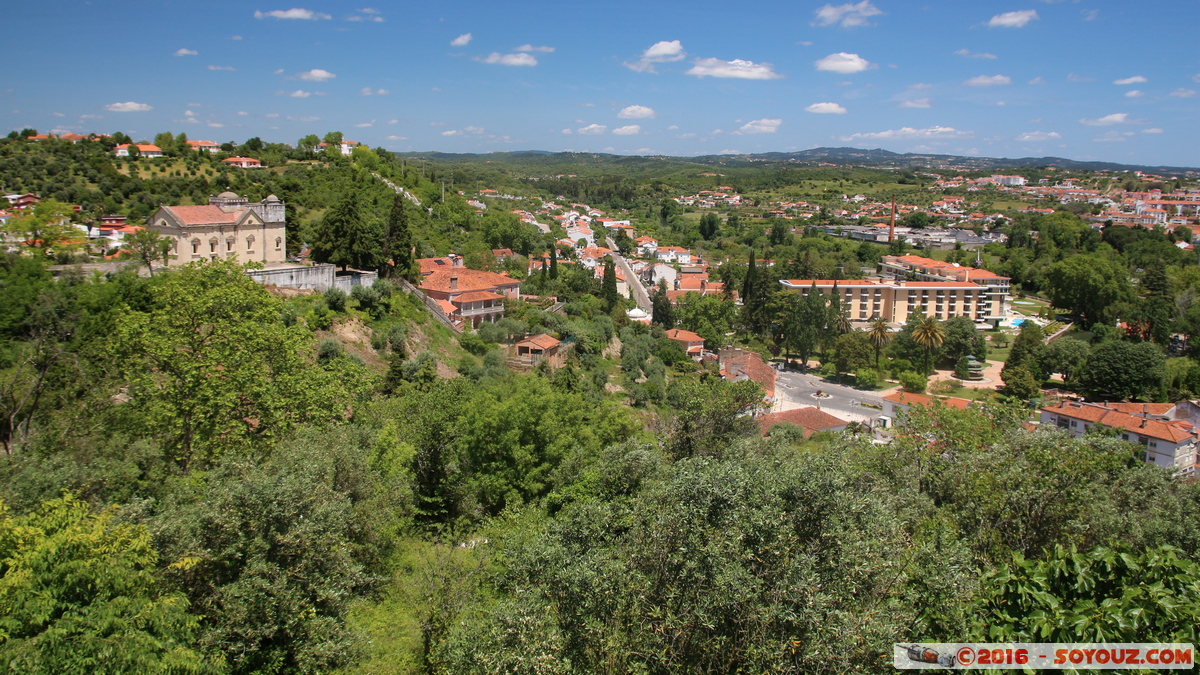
(640, 296)
(845, 402)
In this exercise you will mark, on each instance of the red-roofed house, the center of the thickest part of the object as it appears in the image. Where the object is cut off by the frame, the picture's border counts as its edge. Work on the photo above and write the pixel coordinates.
(1168, 443)
(205, 146)
(228, 226)
(477, 296)
(692, 343)
(243, 162)
(431, 265)
(810, 419)
(537, 348)
(902, 401)
(144, 150)
(673, 254)
(738, 364)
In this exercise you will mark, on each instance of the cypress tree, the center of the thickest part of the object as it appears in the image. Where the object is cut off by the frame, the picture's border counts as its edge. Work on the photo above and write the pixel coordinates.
(398, 243)
(553, 262)
(608, 287)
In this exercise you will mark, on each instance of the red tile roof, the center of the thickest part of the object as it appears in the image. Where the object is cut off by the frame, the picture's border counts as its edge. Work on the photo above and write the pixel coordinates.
(476, 296)
(750, 364)
(203, 215)
(809, 418)
(468, 280)
(683, 335)
(1107, 415)
(909, 398)
(541, 341)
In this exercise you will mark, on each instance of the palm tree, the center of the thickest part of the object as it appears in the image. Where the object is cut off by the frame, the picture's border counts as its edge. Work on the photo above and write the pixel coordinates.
(930, 336)
(878, 336)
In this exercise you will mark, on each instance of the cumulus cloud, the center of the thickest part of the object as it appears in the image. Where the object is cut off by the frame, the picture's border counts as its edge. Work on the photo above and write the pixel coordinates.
(215, 125)
(186, 52)
(363, 125)
(294, 13)
(988, 80)
(629, 130)
(128, 106)
(231, 68)
(392, 121)
(664, 51)
(396, 138)
(847, 16)
(316, 75)
(593, 130)
(567, 132)
(521, 59)
(737, 68)
(300, 93)
(974, 55)
(763, 126)
(826, 109)
(1038, 80)
(1107, 120)
(1038, 136)
(1013, 19)
(1134, 93)
(452, 132)
(1136, 79)
(1183, 93)
(637, 112)
(915, 103)
(532, 48)
(844, 63)
(1154, 130)
(909, 133)
(461, 41)
(367, 91)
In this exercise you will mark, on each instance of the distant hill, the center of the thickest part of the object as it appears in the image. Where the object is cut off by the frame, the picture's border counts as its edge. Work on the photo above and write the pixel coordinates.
(878, 158)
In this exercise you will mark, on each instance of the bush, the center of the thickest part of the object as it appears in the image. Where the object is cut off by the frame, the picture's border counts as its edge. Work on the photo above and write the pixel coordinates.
(913, 381)
(335, 299)
(329, 350)
(899, 366)
(384, 288)
(473, 343)
(320, 318)
(961, 369)
(867, 378)
(367, 297)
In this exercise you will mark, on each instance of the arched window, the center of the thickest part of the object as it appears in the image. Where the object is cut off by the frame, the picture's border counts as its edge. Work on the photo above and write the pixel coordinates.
(212, 245)
(250, 243)
(229, 244)
(278, 243)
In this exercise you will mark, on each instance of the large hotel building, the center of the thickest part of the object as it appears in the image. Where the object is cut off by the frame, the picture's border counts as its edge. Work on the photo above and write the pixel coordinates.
(935, 288)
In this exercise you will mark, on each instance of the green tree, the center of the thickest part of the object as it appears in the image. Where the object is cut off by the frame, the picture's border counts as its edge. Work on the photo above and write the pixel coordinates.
(149, 247)
(608, 286)
(805, 321)
(553, 262)
(398, 246)
(308, 144)
(930, 336)
(963, 339)
(879, 336)
(46, 228)
(709, 415)
(78, 593)
(1124, 370)
(660, 306)
(1021, 384)
(710, 225)
(344, 237)
(1027, 351)
(1089, 286)
(1066, 357)
(852, 351)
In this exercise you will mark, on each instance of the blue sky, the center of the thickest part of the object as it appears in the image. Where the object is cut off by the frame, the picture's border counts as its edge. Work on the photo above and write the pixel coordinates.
(1084, 79)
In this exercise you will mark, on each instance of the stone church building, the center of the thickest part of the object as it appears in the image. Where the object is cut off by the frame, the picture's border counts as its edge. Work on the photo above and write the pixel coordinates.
(229, 226)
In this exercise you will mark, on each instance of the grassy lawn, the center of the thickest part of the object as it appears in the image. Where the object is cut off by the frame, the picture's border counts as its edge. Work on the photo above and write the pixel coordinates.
(949, 388)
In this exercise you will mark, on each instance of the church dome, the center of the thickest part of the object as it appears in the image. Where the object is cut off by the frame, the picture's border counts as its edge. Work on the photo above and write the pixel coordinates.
(272, 198)
(227, 195)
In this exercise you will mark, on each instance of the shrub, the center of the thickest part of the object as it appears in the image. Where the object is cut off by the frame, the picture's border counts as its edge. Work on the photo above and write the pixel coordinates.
(913, 381)
(384, 288)
(366, 297)
(473, 343)
(866, 378)
(329, 350)
(335, 299)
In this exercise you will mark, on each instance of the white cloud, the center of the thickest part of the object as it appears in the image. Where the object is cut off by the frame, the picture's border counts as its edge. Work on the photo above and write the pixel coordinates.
(367, 91)
(988, 80)
(637, 112)
(392, 121)
(1072, 77)
(1013, 19)
(1136, 79)
(186, 52)
(300, 93)
(316, 75)
(1110, 137)
(920, 85)
(1107, 120)
(521, 59)
(763, 126)
(128, 106)
(973, 55)
(303, 119)
(1183, 93)
(629, 130)
(567, 132)
(1154, 130)
(242, 113)
(1038, 136)
(396, 138)
(1196, 77)
(532, 48)
(689, 134)
(215, 125)
(91, 117)
(673, 127)
(737, 68)
(294, 13)
(1038, 80)
(664, 51)
(452, 132)
(369, 10)
(363, 125)
(915, 103)
(1134, 93)
(1090, 14)
(461, 41)
(844, 63)
(473, 130)
(189, 113)
(826, 108)
(277, 71)
(235, 37)
(848, 16)
(58, 114)
(371, 15)
(230, 68)
(729, 152)
(593, 129)
(907, 133)
(272, 115)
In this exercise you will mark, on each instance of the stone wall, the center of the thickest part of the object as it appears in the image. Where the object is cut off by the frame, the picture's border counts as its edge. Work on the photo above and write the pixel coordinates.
(319, 278)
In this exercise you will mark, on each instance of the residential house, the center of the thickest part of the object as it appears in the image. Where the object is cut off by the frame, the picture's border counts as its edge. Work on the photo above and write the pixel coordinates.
(903, 401)
(673, 254)
(646, 246)
(346, 147)
(1169, 443)
(476, 296)
(144, 150)
(204, 146)
(739, 364)
(228, 226)
(537, 348)
(808, 418)
(243, 162)
(692, 343)
(430, 265)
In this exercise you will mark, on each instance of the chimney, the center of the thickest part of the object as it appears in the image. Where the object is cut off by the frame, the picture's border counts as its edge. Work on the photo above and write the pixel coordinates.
(453, 282)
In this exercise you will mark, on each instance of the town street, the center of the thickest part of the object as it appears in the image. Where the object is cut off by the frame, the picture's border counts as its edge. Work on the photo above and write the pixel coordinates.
(794, 389)
(639, 292)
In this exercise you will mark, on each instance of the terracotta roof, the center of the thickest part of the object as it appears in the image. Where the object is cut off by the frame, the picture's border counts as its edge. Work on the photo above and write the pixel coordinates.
(909, 398)
(428, 265)
(738, 361)
(203, 215)
(447, 307)
(468, 280)
(541, 341)
(476, 296)
(1107, 415)
(683, 335)
(809, 418)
